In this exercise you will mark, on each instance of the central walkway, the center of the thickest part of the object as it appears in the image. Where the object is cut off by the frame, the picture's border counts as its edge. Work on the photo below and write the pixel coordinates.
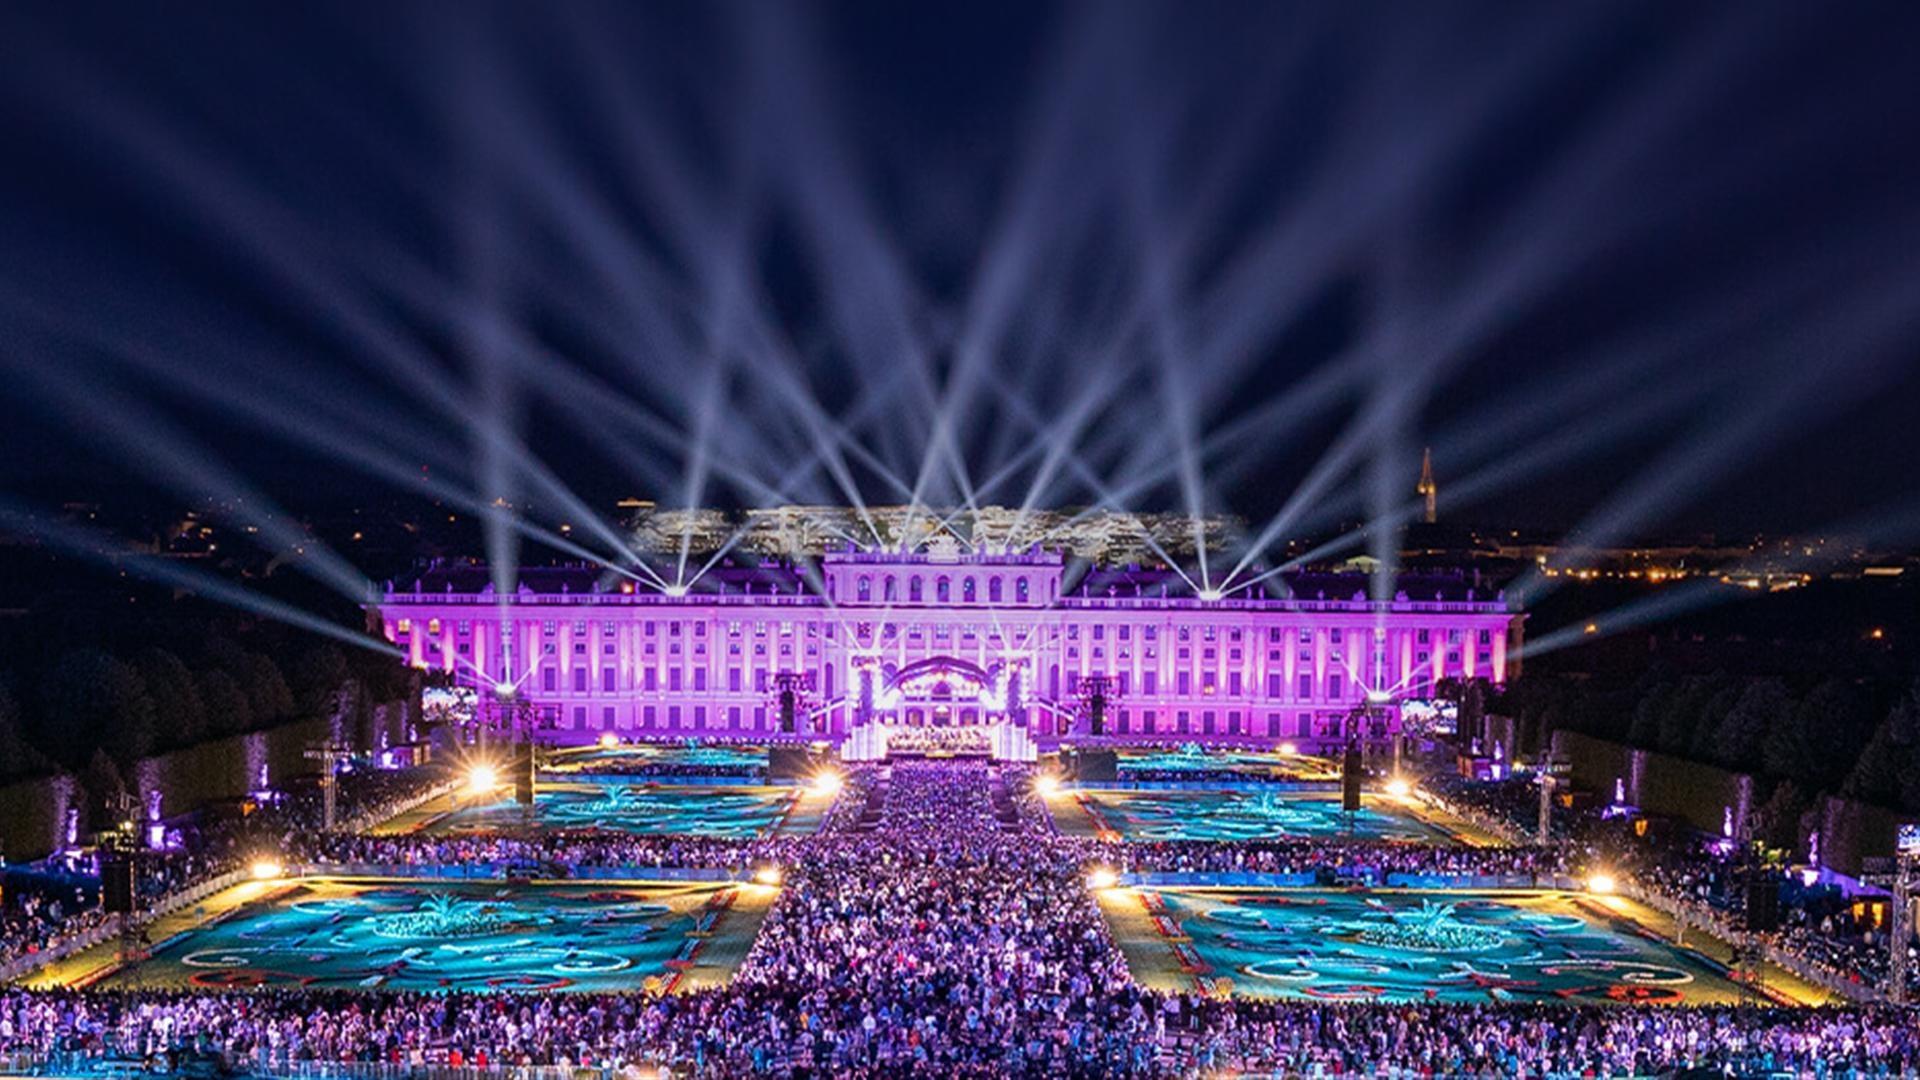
(946, 932)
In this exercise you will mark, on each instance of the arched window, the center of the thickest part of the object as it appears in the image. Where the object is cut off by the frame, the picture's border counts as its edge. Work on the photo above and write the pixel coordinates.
(966, 590)
(993, 590)
(866, 589)
(943, 590)
(1020, 590)
(913, 589)
(890, 591)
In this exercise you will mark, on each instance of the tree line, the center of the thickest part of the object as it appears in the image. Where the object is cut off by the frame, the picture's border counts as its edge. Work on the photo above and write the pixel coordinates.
(87, 701)
(1849, 736)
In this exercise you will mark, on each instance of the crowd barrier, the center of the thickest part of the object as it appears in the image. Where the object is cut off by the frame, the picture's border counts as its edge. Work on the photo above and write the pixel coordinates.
(320, 1070)
(109, 930)
(666, 780)
(1719, 925)
(374, 815)
(116, 1065)
(488, 871)
(1123, 784)
(1463, 881)
(1200, 878)
(1250, 880)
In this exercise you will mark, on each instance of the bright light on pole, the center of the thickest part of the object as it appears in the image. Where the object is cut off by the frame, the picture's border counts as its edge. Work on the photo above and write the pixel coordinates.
(482, 779)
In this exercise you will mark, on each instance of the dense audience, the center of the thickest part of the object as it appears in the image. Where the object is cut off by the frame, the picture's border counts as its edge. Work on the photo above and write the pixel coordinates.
(1821, 937)
(937, 925)
(34, 920)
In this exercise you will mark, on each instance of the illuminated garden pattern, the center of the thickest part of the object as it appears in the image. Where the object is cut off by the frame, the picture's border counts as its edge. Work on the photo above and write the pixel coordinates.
(447, 936)
(638, 758)
(1410, 947)
(1192, 757)
(1243, 815)
(639, 809)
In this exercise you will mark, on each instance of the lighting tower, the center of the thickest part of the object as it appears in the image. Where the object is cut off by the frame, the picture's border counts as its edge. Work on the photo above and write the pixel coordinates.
(330, 754)
(120, 875)
(1902, 924)
(1352, 776)
(1749, 956)
(1427, 489)
(1550, 771)
(1096, 698)
(790, 689)
(1906, 860)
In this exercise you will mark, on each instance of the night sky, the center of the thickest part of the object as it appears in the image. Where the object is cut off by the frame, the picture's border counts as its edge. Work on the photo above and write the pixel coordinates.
(689, 251)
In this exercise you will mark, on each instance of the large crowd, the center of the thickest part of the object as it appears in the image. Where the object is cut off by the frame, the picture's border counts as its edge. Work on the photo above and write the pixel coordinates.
(937, 925)
(1821, 934)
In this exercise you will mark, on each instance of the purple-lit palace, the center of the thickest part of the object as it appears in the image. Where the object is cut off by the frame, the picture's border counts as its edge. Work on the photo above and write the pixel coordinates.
(856, 646)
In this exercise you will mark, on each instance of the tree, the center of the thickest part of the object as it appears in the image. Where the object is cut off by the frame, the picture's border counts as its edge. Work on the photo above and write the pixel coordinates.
(266, 689)
(1817, 740)
(91, 699)
(316, 677)
(1742, 733)
(1650, 715)
(1878, 774)
(16, 757)
(103, 785)
(1777, 821)
(179, 717)
(1713, 714)
(225, 703)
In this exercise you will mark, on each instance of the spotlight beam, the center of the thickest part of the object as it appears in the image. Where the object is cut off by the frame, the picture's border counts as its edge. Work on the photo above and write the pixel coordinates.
(159, 449)
(103, 550)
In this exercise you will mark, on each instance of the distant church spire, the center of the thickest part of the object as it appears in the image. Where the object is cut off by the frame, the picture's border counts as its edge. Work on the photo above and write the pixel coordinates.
(1427, 489)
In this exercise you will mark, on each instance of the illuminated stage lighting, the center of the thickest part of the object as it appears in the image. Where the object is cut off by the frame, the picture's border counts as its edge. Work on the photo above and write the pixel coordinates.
(1101, 877)
(265, 870)
(482, 779)
(1399, 788)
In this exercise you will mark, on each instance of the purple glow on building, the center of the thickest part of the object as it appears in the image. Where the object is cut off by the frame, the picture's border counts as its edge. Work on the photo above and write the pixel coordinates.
(890, 640)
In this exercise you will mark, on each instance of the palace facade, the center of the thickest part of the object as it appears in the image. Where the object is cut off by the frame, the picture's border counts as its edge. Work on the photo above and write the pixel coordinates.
(1033, 649)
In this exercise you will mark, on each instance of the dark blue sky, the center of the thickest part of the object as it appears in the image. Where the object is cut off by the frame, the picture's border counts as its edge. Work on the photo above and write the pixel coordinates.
(618, 222)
